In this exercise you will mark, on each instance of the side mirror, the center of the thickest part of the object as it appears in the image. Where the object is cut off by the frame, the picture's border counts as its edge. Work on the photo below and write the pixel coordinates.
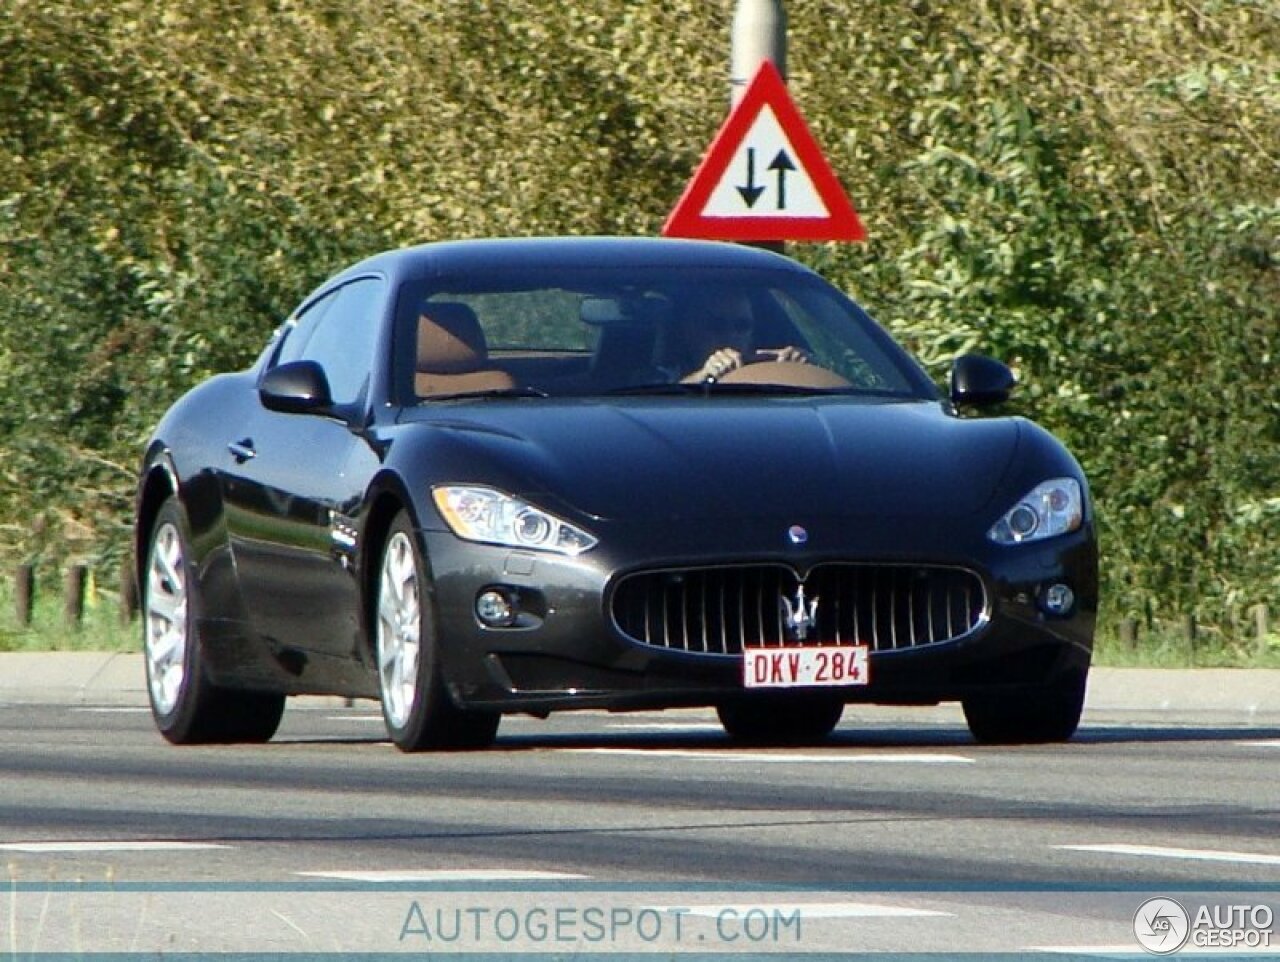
(299, 387)
(977, 381)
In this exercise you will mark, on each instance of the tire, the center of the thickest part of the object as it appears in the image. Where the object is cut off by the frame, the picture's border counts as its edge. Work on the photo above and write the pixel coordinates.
(1027, 716)
(790, 720)
(188, 709)
(416, 705)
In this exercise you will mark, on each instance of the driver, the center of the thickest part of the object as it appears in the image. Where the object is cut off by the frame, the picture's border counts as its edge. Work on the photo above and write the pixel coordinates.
(717, 333)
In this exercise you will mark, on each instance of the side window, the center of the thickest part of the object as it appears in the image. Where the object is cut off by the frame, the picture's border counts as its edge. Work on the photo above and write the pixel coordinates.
(296, 335)
(340, 332)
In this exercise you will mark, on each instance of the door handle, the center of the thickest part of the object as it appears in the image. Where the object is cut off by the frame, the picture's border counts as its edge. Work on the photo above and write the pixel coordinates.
(242, 450)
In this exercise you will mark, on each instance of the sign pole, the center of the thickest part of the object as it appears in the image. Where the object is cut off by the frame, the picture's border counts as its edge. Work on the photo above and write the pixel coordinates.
(759, 34)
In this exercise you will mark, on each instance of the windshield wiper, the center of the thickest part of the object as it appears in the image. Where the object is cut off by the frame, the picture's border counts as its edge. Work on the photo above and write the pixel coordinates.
(719, 387)
(764, 387)
(499, 392)
(664, 387)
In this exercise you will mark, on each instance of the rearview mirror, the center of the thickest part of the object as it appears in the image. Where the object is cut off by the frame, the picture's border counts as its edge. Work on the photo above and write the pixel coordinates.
(978, 380)
(601, 310)
(299, 387)
(625, 309)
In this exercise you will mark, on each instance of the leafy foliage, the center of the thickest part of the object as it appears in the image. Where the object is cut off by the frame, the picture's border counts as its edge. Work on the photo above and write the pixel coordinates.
(1087, 188)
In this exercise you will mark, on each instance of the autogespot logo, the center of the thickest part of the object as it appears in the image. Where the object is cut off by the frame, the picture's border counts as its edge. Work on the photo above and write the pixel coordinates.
(1161, 926)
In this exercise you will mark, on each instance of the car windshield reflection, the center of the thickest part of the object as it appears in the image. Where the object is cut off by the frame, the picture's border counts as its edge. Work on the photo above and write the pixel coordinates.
(594, 332)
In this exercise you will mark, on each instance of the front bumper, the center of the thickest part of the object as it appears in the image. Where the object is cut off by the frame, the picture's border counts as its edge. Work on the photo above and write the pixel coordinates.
(569, 653)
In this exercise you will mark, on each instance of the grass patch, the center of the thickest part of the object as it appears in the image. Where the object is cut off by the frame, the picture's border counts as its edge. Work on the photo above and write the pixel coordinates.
(101, 629)
(1169, 648)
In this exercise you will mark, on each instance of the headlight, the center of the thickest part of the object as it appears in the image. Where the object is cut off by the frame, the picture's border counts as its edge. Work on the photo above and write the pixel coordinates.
(1052, 508)
(489, 516)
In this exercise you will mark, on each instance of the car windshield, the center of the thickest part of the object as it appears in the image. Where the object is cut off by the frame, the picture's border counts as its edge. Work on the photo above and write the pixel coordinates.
(593, 331)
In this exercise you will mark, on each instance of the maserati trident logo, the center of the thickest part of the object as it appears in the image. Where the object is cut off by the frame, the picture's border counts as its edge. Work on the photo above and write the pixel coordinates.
(799, 617)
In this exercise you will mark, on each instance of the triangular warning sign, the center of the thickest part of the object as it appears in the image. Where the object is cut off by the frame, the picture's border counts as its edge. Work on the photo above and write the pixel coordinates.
(764, 177)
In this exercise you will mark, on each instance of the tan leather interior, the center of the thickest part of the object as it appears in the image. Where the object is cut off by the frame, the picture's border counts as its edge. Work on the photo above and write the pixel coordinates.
(453, 357)
(785, 373)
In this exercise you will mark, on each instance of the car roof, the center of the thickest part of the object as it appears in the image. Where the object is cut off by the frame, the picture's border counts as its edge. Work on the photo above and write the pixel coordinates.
(466, 256)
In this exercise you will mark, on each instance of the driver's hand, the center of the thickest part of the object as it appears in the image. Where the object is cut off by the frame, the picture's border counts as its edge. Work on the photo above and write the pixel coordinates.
(790, 354)
(720, 363)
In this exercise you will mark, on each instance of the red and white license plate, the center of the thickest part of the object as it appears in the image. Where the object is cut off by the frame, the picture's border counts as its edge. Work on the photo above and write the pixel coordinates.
(804, 667)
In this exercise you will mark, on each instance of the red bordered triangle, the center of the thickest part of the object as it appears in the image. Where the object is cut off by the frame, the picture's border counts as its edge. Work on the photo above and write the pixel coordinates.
(764, 177)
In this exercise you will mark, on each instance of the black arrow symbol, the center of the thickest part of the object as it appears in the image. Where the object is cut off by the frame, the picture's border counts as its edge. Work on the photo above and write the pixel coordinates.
(751, 193)
(782, 163)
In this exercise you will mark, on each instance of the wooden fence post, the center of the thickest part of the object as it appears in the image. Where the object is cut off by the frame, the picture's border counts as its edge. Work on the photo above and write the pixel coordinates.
(129, 601)
(1189, 632)
(1262, 625)
(24, 592)
(74, 584)
(1129, 633)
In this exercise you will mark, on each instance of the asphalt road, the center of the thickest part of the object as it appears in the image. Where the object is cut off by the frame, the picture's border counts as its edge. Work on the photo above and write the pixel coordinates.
(901, 834)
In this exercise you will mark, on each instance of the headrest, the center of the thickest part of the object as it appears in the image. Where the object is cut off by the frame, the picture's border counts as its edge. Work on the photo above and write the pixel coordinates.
(450, 338)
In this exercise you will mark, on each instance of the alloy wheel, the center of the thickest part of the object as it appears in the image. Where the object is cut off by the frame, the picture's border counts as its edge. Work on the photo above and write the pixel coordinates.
(167, 614)
(399, 627)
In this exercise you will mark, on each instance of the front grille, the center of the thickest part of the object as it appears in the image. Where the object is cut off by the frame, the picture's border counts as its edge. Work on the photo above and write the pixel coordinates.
(722, 610)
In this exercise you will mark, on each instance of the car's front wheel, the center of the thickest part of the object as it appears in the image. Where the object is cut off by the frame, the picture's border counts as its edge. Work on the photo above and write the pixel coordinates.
(1027, 716)
(416, 705)
(786, 720)
(187, 707)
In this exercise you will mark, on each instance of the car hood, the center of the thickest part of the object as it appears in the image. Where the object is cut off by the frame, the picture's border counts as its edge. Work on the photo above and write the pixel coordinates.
(726, 458)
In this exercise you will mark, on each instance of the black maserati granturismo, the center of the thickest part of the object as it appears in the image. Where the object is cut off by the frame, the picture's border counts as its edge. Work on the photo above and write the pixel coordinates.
(493, 476)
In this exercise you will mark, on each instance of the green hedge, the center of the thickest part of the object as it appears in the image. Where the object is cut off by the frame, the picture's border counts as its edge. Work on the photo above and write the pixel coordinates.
(1087, 188)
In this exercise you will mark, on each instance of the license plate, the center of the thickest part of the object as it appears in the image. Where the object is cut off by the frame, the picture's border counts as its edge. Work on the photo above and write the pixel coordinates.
(804, 667)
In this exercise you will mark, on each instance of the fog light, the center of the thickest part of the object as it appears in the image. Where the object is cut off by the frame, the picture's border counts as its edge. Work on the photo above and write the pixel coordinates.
(495, 608)
(1058, 599)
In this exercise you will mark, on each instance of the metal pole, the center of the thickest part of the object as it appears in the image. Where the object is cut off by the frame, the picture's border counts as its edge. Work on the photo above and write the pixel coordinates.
(759, 34)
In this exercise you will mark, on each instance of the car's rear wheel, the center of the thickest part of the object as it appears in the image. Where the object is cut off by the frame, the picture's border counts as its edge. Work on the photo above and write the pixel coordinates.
(789, 720)
(187, 708)
(1027, 716)
(416, 705)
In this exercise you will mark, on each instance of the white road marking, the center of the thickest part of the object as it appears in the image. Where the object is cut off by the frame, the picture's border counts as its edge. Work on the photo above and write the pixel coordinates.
(1266, 743)
(921, 758)
(442, 875)
(667, 727)
(37, 847)
(354, 718)
(1196, 854)
(104, 710)
(809, 910)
